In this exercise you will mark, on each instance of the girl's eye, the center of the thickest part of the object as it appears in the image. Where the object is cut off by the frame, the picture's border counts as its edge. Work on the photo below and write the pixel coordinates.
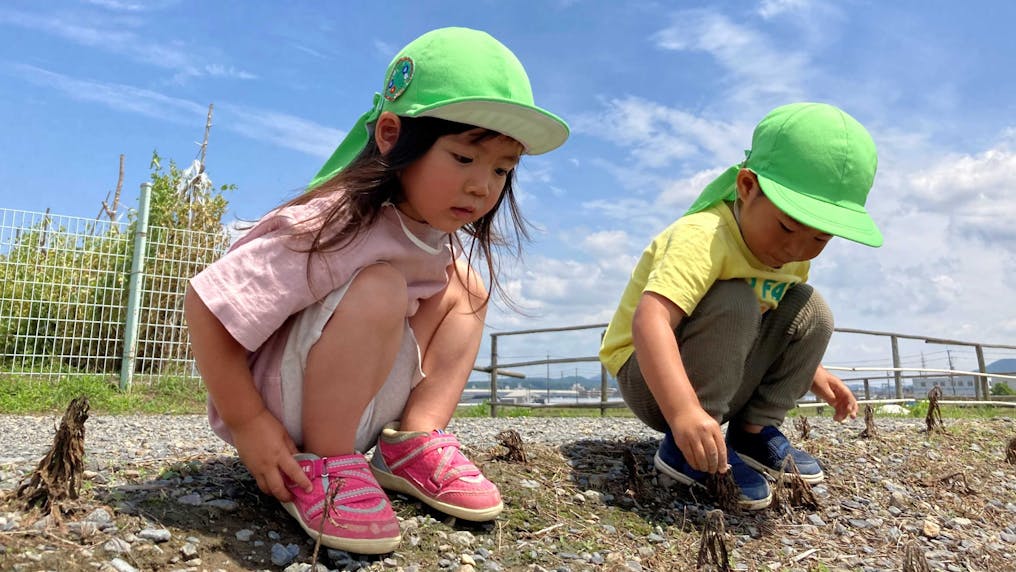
(785, 228)
(502, 172)
(462, 159)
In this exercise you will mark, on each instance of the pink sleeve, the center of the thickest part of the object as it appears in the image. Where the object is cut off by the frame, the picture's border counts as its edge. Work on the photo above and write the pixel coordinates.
(263, 280)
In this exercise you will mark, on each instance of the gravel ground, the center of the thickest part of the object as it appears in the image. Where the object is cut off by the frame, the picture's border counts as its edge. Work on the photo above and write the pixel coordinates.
(952, 495)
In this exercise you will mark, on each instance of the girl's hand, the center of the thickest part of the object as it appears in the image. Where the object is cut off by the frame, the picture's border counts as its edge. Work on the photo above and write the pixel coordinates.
(833, 391)
(267, 450)
(698, 436)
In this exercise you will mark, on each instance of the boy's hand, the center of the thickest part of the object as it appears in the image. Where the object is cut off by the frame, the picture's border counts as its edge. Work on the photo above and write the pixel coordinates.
(698, 436)
(833, 391)
(267, 450)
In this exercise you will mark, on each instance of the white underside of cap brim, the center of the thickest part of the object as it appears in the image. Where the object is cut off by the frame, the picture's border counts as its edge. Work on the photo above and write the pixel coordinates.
(537, 130)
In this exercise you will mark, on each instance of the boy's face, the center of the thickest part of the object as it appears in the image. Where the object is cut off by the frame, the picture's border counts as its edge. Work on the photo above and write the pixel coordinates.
(772, 236)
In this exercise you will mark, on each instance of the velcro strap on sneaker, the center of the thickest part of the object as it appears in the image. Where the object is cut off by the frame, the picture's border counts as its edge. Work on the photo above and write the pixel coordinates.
(454, 464)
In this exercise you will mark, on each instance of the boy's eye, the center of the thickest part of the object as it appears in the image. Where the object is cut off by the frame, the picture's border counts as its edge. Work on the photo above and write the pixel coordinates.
(786, 228)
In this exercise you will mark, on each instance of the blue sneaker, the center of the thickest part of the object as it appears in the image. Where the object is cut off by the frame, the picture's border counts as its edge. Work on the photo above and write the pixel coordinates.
(766, 450)
(755, 493)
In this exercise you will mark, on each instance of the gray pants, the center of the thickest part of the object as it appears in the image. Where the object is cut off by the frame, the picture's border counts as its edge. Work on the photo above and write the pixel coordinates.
(744, 365)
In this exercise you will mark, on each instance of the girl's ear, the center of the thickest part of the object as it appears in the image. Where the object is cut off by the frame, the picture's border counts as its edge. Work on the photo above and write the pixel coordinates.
(746, 183)
(386, 131)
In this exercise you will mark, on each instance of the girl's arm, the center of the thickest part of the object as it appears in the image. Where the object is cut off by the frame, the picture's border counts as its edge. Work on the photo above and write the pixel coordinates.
(261, 440)
(696, 433)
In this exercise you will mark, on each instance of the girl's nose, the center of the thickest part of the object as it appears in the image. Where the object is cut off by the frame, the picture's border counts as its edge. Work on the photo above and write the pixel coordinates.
(478, 184)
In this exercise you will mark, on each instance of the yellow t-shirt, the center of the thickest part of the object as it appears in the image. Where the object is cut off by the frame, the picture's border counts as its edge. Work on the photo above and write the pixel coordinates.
(682, 263)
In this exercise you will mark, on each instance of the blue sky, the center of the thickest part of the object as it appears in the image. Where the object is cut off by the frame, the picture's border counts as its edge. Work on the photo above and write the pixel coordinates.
(661, 96)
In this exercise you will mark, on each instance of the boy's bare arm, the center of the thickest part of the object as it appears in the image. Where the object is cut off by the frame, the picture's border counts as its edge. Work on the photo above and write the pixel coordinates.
(696, 433)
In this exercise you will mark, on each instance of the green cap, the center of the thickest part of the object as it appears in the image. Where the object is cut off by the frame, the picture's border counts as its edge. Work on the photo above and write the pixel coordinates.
(460, 75)
(816, 163)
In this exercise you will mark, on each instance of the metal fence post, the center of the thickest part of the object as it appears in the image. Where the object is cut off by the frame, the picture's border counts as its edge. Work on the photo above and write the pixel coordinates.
(981, 384)
(493, 375)
(896, 366)
(130, 337)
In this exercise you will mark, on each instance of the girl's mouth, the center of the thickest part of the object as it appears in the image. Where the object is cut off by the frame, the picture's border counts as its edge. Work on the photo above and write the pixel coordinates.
(462, 212)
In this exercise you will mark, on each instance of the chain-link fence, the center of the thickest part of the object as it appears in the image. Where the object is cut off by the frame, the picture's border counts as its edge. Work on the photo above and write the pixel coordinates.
(89, 297)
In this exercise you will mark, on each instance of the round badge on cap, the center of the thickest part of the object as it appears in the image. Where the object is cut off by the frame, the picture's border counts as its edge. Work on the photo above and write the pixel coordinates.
(398, 81)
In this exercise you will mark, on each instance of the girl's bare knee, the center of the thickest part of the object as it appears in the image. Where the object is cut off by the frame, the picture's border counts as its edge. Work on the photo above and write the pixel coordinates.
(378, 292)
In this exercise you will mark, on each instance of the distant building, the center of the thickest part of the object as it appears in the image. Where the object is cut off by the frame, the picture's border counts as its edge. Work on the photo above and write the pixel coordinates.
(952, 386)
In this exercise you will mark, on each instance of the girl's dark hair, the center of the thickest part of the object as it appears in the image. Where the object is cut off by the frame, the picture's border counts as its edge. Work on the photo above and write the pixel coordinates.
(360, 190)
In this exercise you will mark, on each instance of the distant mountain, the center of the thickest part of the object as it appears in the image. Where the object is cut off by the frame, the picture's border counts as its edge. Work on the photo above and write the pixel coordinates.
(1007, 365)
(565, 382)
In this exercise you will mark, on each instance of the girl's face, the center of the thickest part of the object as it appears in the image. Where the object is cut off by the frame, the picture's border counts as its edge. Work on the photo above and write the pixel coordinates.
(772, 236)
(458, 180)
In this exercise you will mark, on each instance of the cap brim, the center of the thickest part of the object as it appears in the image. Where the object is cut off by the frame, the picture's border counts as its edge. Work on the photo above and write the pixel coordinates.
(850, 222)
(537, 130)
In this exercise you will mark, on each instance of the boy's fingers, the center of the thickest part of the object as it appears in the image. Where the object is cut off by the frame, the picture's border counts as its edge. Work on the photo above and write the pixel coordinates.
(721, 454)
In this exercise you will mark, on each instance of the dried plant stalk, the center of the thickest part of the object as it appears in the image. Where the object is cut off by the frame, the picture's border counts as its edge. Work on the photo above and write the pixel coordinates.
(913, 558)
(934, 418)
(1010, 452)
(792, 490)
(726, 491)
(512, 442)
(58, 475)
(803, 427)
(870, 431)
(712, 554)
(636, 482)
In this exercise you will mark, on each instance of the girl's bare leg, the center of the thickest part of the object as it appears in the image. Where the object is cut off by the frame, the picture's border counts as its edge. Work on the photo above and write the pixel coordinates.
(448, 327)
(340, 380)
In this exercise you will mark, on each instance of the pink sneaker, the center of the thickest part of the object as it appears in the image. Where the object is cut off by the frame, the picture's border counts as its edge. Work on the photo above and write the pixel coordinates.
(360, 519)
(430, 467)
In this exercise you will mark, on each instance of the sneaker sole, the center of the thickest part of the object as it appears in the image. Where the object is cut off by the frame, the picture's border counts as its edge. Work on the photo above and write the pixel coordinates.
(398, 484)
(686, 480)
(810, 479)
(356, 545)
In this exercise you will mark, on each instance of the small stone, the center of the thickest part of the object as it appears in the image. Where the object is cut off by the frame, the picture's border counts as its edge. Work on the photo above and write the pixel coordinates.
(244, 535)
(931, 528)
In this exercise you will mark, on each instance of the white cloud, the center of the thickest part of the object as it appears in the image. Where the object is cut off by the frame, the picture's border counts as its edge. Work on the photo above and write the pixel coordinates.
(272, 127)
(658, 135)
(772, 8)
(282, 129)
(748, 56)
(118, 96)
(124, 42)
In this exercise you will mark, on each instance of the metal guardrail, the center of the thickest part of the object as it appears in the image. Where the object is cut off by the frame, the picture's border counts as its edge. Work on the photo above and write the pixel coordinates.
(497, 369)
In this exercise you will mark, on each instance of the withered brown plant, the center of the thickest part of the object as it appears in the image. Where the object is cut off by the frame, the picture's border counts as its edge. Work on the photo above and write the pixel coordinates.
(712, 554)
(913, 558)
(512, 442)
(58, 476)
(870, 431)
(934, 417)
(726, 491)
(803, 427)
(791, 490)
(636, 482)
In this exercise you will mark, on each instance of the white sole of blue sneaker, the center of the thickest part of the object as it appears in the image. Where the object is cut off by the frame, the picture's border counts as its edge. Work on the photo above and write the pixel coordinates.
(810, 479)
